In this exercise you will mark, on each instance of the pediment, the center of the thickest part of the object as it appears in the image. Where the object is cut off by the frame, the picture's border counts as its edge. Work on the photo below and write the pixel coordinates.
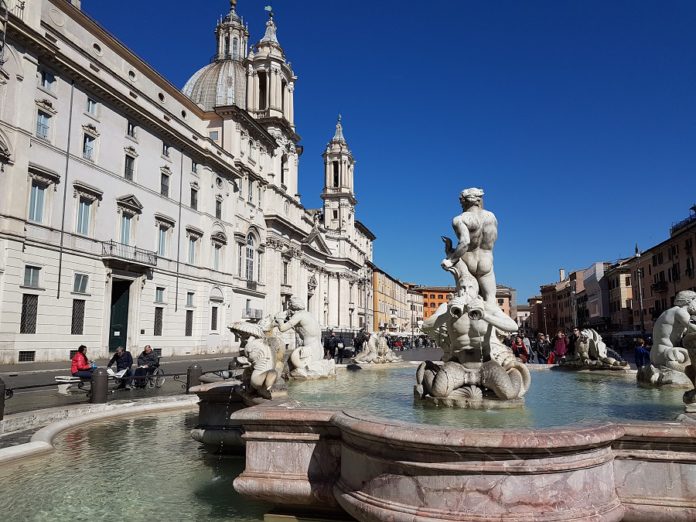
(130, 202)
(316, 241)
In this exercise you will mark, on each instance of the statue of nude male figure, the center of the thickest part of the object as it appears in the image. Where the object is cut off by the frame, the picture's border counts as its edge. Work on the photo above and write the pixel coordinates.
(477, 231)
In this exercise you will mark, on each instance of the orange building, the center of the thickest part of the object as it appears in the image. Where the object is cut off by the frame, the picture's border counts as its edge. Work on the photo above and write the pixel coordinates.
(434, 296)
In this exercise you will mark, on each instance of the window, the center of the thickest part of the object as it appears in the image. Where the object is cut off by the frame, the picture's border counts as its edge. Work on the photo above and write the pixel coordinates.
(218, 208)
(47, 80)
(213, 135)
(335, 214)
(30, 308)
(194, 167)
(262, 90)
(250, 258)
(192, 249)
(159, 294)
(335, 174)
(239, 260)
(628, 280)
(285, 272)
(31, 276)
(214, 318)
(189, 323)
(189, 298)
(250, 191)
(165, 150)
(130, 129)
(235, 48)
(159, 315)
(78, 317)
(259, 264)
(194, 198)
(88, 147)
(126, 228)
(36, 202)
(43, 125)
(91, 106)
(283, 165)
(162, 240)
(80, 283)
(259, 195)
(164, 184)
(217, 255)
(129, 170)
(84, 207)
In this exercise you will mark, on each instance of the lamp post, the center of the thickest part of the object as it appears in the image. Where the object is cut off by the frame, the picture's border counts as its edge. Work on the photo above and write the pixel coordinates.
(546, 330)
(639, 272)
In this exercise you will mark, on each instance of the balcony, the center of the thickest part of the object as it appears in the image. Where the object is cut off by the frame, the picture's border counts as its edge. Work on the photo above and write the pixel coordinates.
(131, 254)
(252, 313)
(660, 286)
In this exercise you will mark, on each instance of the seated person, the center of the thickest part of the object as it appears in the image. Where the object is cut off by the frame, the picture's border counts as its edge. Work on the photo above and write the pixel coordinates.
(147, 363)
(81, 367)
(124, 361)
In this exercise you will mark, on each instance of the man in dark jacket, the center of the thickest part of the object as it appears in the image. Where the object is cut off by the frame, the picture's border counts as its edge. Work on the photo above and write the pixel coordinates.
(124, 361)
(147, 363)
(330, 344)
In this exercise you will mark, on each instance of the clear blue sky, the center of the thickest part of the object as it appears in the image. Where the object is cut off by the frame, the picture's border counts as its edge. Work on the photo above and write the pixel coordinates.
(578, 118)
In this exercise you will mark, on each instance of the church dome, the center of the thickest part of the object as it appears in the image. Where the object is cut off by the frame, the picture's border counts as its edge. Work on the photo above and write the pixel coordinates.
(220, 83)
(223, 82)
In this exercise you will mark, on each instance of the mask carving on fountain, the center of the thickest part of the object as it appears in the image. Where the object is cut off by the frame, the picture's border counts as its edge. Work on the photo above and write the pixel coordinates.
(306, 361)
(376, 350)
(476, 365)
(674, 347)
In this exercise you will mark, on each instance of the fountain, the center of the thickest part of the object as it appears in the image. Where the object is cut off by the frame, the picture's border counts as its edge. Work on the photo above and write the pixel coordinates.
(377, 350)
(591, 354)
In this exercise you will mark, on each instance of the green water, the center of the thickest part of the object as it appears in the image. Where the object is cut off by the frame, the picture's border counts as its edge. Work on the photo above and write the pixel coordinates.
(554, 399)
(149, 468)
(144, 469)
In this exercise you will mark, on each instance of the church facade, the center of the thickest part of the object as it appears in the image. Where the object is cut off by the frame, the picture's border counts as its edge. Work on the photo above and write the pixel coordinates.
(134, 213)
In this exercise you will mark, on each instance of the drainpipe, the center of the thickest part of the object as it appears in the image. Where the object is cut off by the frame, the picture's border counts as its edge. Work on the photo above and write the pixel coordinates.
(178, 240)
(65, 187)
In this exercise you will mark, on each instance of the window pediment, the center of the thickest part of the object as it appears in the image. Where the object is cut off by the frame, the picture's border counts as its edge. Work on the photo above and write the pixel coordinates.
(43, 175)
(129, 203)
(130, 150)
(91, 130)
(89, 192)
(46, 105)
(162, 220)
(194, 232)
(219, 237)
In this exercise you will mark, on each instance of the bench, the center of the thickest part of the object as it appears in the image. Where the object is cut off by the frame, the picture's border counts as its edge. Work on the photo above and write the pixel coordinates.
(65, 382)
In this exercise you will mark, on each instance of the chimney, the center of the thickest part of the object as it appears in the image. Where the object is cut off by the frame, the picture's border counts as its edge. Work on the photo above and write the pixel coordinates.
(561, 274)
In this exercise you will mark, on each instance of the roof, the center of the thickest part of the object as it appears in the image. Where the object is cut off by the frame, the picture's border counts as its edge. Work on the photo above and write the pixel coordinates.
(220, 83)
(362, 228)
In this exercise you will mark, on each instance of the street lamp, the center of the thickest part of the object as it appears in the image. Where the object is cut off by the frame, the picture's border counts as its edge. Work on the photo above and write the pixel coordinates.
(546, 330)
(639, 272)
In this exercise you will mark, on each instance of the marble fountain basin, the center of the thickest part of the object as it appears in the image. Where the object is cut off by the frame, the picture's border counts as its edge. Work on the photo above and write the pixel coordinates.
(355, 456)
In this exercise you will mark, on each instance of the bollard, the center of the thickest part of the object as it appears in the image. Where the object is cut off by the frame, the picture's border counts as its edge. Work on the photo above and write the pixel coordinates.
(100, 386)
(193, 376)
(2, 399)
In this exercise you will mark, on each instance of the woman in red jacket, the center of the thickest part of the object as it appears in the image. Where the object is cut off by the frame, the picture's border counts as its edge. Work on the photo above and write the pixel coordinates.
(80, 366)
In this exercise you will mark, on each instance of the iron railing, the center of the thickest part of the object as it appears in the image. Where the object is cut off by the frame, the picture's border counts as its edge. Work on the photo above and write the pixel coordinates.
(114, 250)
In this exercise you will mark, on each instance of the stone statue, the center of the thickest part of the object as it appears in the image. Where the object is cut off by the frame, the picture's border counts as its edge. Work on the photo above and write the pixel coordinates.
(591, 353)
(257, 358)
(476, 367)
(669, 358)
(376, 351)
(474, 355)
(476, 230)
(306, 361)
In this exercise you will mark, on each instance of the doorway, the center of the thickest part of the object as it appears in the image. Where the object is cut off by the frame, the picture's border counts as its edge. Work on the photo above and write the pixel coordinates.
(118, 328)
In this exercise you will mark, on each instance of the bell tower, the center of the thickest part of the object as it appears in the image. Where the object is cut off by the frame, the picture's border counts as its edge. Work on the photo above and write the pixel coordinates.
(338, 194)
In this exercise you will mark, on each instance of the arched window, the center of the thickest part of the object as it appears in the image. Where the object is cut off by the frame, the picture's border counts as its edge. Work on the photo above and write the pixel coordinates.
(235, 48)
(250, 258)
(227, 46)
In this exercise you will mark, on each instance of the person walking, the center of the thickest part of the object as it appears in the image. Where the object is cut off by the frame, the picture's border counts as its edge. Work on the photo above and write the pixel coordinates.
(341, 346)
(330, 345)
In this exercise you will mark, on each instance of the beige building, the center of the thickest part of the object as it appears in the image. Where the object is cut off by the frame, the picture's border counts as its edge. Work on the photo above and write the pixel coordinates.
(620, 295)
(663, 270)
(392, 305)
(133, 213)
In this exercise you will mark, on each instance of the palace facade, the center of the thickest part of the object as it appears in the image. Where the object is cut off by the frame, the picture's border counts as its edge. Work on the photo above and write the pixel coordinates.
(134, 213)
